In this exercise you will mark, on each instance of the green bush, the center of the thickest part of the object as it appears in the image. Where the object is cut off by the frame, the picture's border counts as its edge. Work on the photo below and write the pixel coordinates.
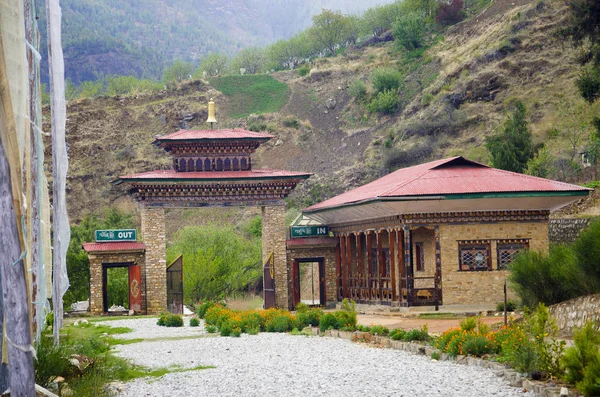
(397, 334)
(202, 308)
(379, 330)
(409, 30)
(291, 122)
(587, 252)
(358, 90)
(435, 355)
(468, 324)
(420, 335)
(252, 330)
(346, 317)
(236, 332)
(211, 329)
(363, 328)
(385, 102)
(304, 70)
(443, 341)
(582, 361)
(257, 126)
(170, 320)
(386, 79)
(225, 329)
(282, 323)
(478, 345)
(308, 317)
(50, 361)
(511, 306)
(194, 322)
(328, 321)
(302, 307)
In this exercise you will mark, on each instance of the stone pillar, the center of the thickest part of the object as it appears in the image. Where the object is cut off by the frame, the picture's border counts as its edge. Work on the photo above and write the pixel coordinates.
(95, 285)
(155, 269)
(273, 240)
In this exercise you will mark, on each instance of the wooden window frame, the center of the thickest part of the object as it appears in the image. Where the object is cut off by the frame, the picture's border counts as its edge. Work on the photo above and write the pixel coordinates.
(420, 259)
(517, 245)
(474, 245)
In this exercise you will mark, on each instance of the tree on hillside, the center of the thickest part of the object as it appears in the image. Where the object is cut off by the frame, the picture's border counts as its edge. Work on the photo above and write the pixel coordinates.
(376, 20)
(177, 72)
(213, 64)
(512, 148)
(329, 29)
(409, 30)
(426, 7)
(251, 59)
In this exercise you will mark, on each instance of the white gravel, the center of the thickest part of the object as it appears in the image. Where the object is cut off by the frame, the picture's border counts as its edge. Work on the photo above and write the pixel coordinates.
(146, 328)
(283, 365)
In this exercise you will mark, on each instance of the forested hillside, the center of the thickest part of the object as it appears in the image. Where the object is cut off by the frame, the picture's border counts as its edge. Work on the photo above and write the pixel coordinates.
(141, 37)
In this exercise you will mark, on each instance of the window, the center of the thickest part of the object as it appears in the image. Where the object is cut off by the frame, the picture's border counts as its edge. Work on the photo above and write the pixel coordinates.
(420, 256)
(474, 255)
(508, 249)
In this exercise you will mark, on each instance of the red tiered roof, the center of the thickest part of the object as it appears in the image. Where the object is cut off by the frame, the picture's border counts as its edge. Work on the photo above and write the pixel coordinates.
(211, 135)
(452, 176)
(114, 246)
(172, 175)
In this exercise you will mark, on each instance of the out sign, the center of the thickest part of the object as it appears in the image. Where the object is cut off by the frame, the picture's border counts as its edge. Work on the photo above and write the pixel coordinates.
(116, 235)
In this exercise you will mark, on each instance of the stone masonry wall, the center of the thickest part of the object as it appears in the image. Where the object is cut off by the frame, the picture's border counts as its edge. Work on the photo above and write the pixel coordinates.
(273, 240)
(96, 262)
(482, 287)
(319, 252)
(575, 313)
(566, 230)
(155, 274)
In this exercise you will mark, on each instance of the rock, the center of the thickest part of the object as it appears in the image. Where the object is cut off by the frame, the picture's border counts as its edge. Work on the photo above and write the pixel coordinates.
(279, 142)
(84, 321)
(564, 392)
(330, 103)
(81, 306)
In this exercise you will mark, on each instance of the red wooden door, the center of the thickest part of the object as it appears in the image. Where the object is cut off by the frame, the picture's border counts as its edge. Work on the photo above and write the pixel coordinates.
(135, 288)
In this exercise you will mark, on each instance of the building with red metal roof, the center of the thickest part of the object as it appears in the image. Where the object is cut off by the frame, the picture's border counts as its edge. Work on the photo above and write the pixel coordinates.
(439, 233)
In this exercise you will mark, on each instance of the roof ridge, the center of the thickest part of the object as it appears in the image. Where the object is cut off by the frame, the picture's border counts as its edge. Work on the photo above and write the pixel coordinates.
(538, 178)
(419, 175)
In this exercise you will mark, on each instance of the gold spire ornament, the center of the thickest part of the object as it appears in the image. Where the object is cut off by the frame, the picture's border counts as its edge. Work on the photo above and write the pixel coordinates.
(211, 113)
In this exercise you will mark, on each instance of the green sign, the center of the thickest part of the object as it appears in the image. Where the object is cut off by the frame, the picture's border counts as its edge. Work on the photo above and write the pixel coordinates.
(310, 231)
(103, 236)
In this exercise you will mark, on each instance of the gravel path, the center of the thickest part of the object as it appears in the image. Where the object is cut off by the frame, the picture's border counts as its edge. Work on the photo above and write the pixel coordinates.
(285, 365)
(146, 328)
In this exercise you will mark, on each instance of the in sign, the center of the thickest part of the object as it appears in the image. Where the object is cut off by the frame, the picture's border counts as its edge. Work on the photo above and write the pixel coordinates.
(310, 231)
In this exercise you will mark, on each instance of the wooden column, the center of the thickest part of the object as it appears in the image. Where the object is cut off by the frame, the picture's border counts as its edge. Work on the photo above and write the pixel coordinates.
(338, 271)
(392, 238)
(369, 265)
(380, 262)
(343, 265)
(347, 293)
(359, 264)
(408, 268)
(438, 267)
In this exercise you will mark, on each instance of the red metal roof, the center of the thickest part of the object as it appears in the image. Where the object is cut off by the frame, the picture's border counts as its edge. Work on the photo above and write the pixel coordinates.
(230, 133)
(455, 175)
(258, 174)
(114, 246)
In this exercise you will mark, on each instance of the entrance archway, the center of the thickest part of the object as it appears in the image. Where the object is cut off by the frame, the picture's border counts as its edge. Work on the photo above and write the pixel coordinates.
(134, 283)
(308, 281)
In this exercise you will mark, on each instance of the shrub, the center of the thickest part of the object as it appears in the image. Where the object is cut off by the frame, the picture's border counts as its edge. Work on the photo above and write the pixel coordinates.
(386, 79)
(308, 317)
(194, 322)
(511, 306)
(236, 332)
(478, 345)
(397, 334)
(252, 330)
(582, 361)
(211, 329)
(358, 90)
(347, 316)
(170, 320)
(304, 70)
(421, 334)
(50, 361)
(468, 324)
(435, 355)
(409, 30)
(202, 308)
(257, 126)
(587, 252)
(291, 122)
(225, 329)
(444, 339)
(302, 307)
(363, 328)
(250, 320)
(328, 321)
(281, 323)
(379, 330)
(384, 102)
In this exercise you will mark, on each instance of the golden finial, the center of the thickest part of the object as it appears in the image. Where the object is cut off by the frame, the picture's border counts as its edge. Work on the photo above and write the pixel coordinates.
(211, 113)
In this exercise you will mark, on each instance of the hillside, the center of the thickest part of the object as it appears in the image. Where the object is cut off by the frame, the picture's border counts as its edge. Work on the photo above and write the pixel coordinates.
(455, 95)
(141, 37)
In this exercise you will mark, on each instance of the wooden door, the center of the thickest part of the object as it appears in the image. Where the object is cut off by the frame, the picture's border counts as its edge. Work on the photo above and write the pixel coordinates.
(135, 288)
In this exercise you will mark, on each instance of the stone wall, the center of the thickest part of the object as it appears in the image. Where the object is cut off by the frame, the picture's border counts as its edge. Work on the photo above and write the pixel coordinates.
(575, 312)
(329, 254)
(482, 287)
(155, 271)
(97, 260)
(566, 230)
(273, 240)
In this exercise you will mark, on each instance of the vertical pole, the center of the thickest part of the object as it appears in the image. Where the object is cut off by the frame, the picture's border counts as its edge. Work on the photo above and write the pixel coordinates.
(392, 238)
(344, 265)
(369, 265)
(380, 263)
(338, 268)
(438, 268)
(359, 264)
(505, 319)
(408, 269)
(347, 293)
(14, 293)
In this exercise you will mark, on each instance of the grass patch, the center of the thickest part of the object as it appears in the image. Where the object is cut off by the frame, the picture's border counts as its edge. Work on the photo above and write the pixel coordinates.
(440, 316)
(252, 94)
(142, 372)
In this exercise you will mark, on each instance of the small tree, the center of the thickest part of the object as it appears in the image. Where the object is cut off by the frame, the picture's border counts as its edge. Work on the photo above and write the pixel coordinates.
(542, 164)
(177, 72)
(384, 79)
(329, 29)
(409, 30)
(512, 148)
(213, 64)
(251, 59)
(376, 20)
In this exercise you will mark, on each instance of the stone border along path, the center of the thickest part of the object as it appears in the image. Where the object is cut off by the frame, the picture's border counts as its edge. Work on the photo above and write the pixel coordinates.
(287, 365)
